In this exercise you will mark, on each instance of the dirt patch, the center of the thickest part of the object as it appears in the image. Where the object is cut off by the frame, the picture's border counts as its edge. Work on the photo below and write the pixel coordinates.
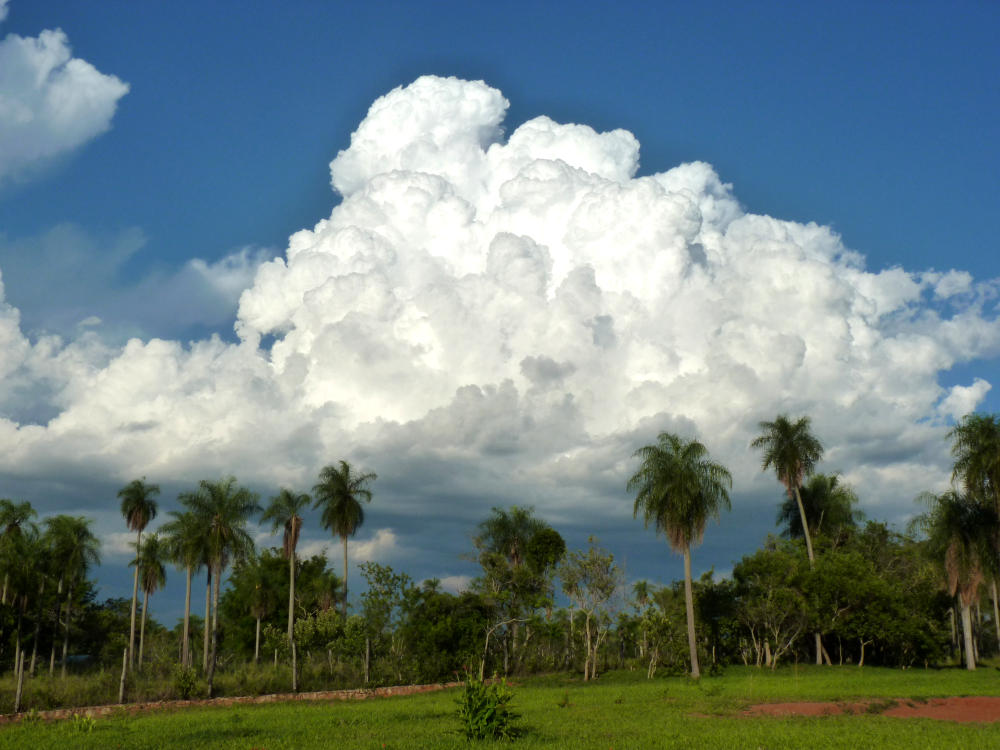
(969, 709)
(323, 695)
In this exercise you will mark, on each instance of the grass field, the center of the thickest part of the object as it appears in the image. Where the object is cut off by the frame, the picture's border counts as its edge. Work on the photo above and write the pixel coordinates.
(622, 710)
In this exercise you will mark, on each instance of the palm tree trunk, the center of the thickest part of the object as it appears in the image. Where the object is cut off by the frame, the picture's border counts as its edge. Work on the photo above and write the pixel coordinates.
(215, 627)
(186, 645)
(970, 659)
(69, 603)
(812, 564)
(135, 598)
(689, 607)
(291, 596)
(256, 645)
(208, 620)
(55, 628)
(142, 628)
(996, 612)
(344, 607)
(38, 630)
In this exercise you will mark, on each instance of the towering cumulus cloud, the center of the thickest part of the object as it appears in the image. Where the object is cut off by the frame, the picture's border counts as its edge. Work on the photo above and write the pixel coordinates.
(483, 319)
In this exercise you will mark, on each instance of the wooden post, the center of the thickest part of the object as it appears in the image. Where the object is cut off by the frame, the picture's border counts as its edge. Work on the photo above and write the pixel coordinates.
(121, 685)
(20, 682)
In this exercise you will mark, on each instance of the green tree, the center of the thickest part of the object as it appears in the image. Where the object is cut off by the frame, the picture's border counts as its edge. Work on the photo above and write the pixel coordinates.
(74, 548)
(184, 540)
(963, 533)
(792, 451)
(138, 506)
(338, 495)
(827, 503)
(677, 490)
(13, 516)
(590, 579)
(284, 512)
(152, 577)
(224, 508)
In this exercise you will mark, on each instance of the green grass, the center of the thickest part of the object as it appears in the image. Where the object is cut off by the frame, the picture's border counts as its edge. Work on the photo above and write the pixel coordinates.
(622, 710)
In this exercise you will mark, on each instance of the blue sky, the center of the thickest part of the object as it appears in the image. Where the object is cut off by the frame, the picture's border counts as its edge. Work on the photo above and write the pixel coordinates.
(875, 119)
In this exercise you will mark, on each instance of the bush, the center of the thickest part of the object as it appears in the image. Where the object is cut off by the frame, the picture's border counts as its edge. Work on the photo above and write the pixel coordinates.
(484, 710)
(185, 682)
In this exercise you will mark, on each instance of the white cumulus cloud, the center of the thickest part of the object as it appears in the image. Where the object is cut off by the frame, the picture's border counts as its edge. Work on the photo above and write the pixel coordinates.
(50, 101)
(488, 321)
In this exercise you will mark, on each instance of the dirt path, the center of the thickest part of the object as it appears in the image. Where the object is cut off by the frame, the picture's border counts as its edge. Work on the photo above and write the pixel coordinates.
(969, 709)
(323, 695)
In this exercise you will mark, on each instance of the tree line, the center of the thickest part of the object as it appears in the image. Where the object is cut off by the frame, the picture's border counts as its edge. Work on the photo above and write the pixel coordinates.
(830, 587)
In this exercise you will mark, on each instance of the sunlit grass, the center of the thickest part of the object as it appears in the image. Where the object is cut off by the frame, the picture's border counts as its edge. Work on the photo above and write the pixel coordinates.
(622, 710)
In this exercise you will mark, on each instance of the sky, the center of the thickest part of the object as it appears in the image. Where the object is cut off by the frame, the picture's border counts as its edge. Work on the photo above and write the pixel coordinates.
(487, 252)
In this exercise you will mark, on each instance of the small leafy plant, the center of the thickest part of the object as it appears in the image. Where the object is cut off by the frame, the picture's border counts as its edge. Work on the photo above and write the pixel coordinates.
(484, 710)
(83, 723)
(185, 682)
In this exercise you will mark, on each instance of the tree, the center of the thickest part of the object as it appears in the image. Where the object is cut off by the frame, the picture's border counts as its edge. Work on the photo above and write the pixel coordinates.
(338, 495)
(976, 449)
(13, 516)
(152, 576)
(677, 490)
(827, 503)
(74, 548)
(590, 580)
(792, 451)
(518, 553)
(224, 508)
(283, 512)
(184, 542)
(139, 507)
(963, 533)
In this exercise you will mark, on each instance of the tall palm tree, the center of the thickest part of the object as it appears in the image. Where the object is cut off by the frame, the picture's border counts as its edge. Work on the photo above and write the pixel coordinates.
(677, 490)
(185, 547)
(152, 576)
(963, 533)
(338, 494)
(284, 512)
(74, 549)
(139, 508)
(13, 516)
(25, 570)
(976, 448)
(792, 451)
(224, 508)
(828, 504)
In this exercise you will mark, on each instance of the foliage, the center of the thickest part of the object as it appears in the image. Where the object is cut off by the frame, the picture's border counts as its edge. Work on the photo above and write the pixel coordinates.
(484, 710)
(185, 682)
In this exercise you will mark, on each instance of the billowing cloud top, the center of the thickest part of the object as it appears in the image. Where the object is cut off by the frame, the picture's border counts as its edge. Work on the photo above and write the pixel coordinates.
(50, 101)
(509, 319)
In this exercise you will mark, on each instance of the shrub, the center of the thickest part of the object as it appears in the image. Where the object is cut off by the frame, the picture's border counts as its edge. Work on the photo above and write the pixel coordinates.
(484, 710)
(185, 682)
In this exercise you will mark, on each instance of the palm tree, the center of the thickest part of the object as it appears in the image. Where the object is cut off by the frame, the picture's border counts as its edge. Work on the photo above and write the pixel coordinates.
(678, 489)
(828, 503)
(338, 494)
(283, 512)
(963, 533)
(25, 570)
(152, 576)
(976, 448)
(139, 508)
(13, 516)
(224, 508)
(792, 451)
(185, 547)
(73, 548)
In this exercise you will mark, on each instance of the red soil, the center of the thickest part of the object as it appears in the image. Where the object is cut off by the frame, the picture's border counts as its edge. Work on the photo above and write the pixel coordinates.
(970, 709)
